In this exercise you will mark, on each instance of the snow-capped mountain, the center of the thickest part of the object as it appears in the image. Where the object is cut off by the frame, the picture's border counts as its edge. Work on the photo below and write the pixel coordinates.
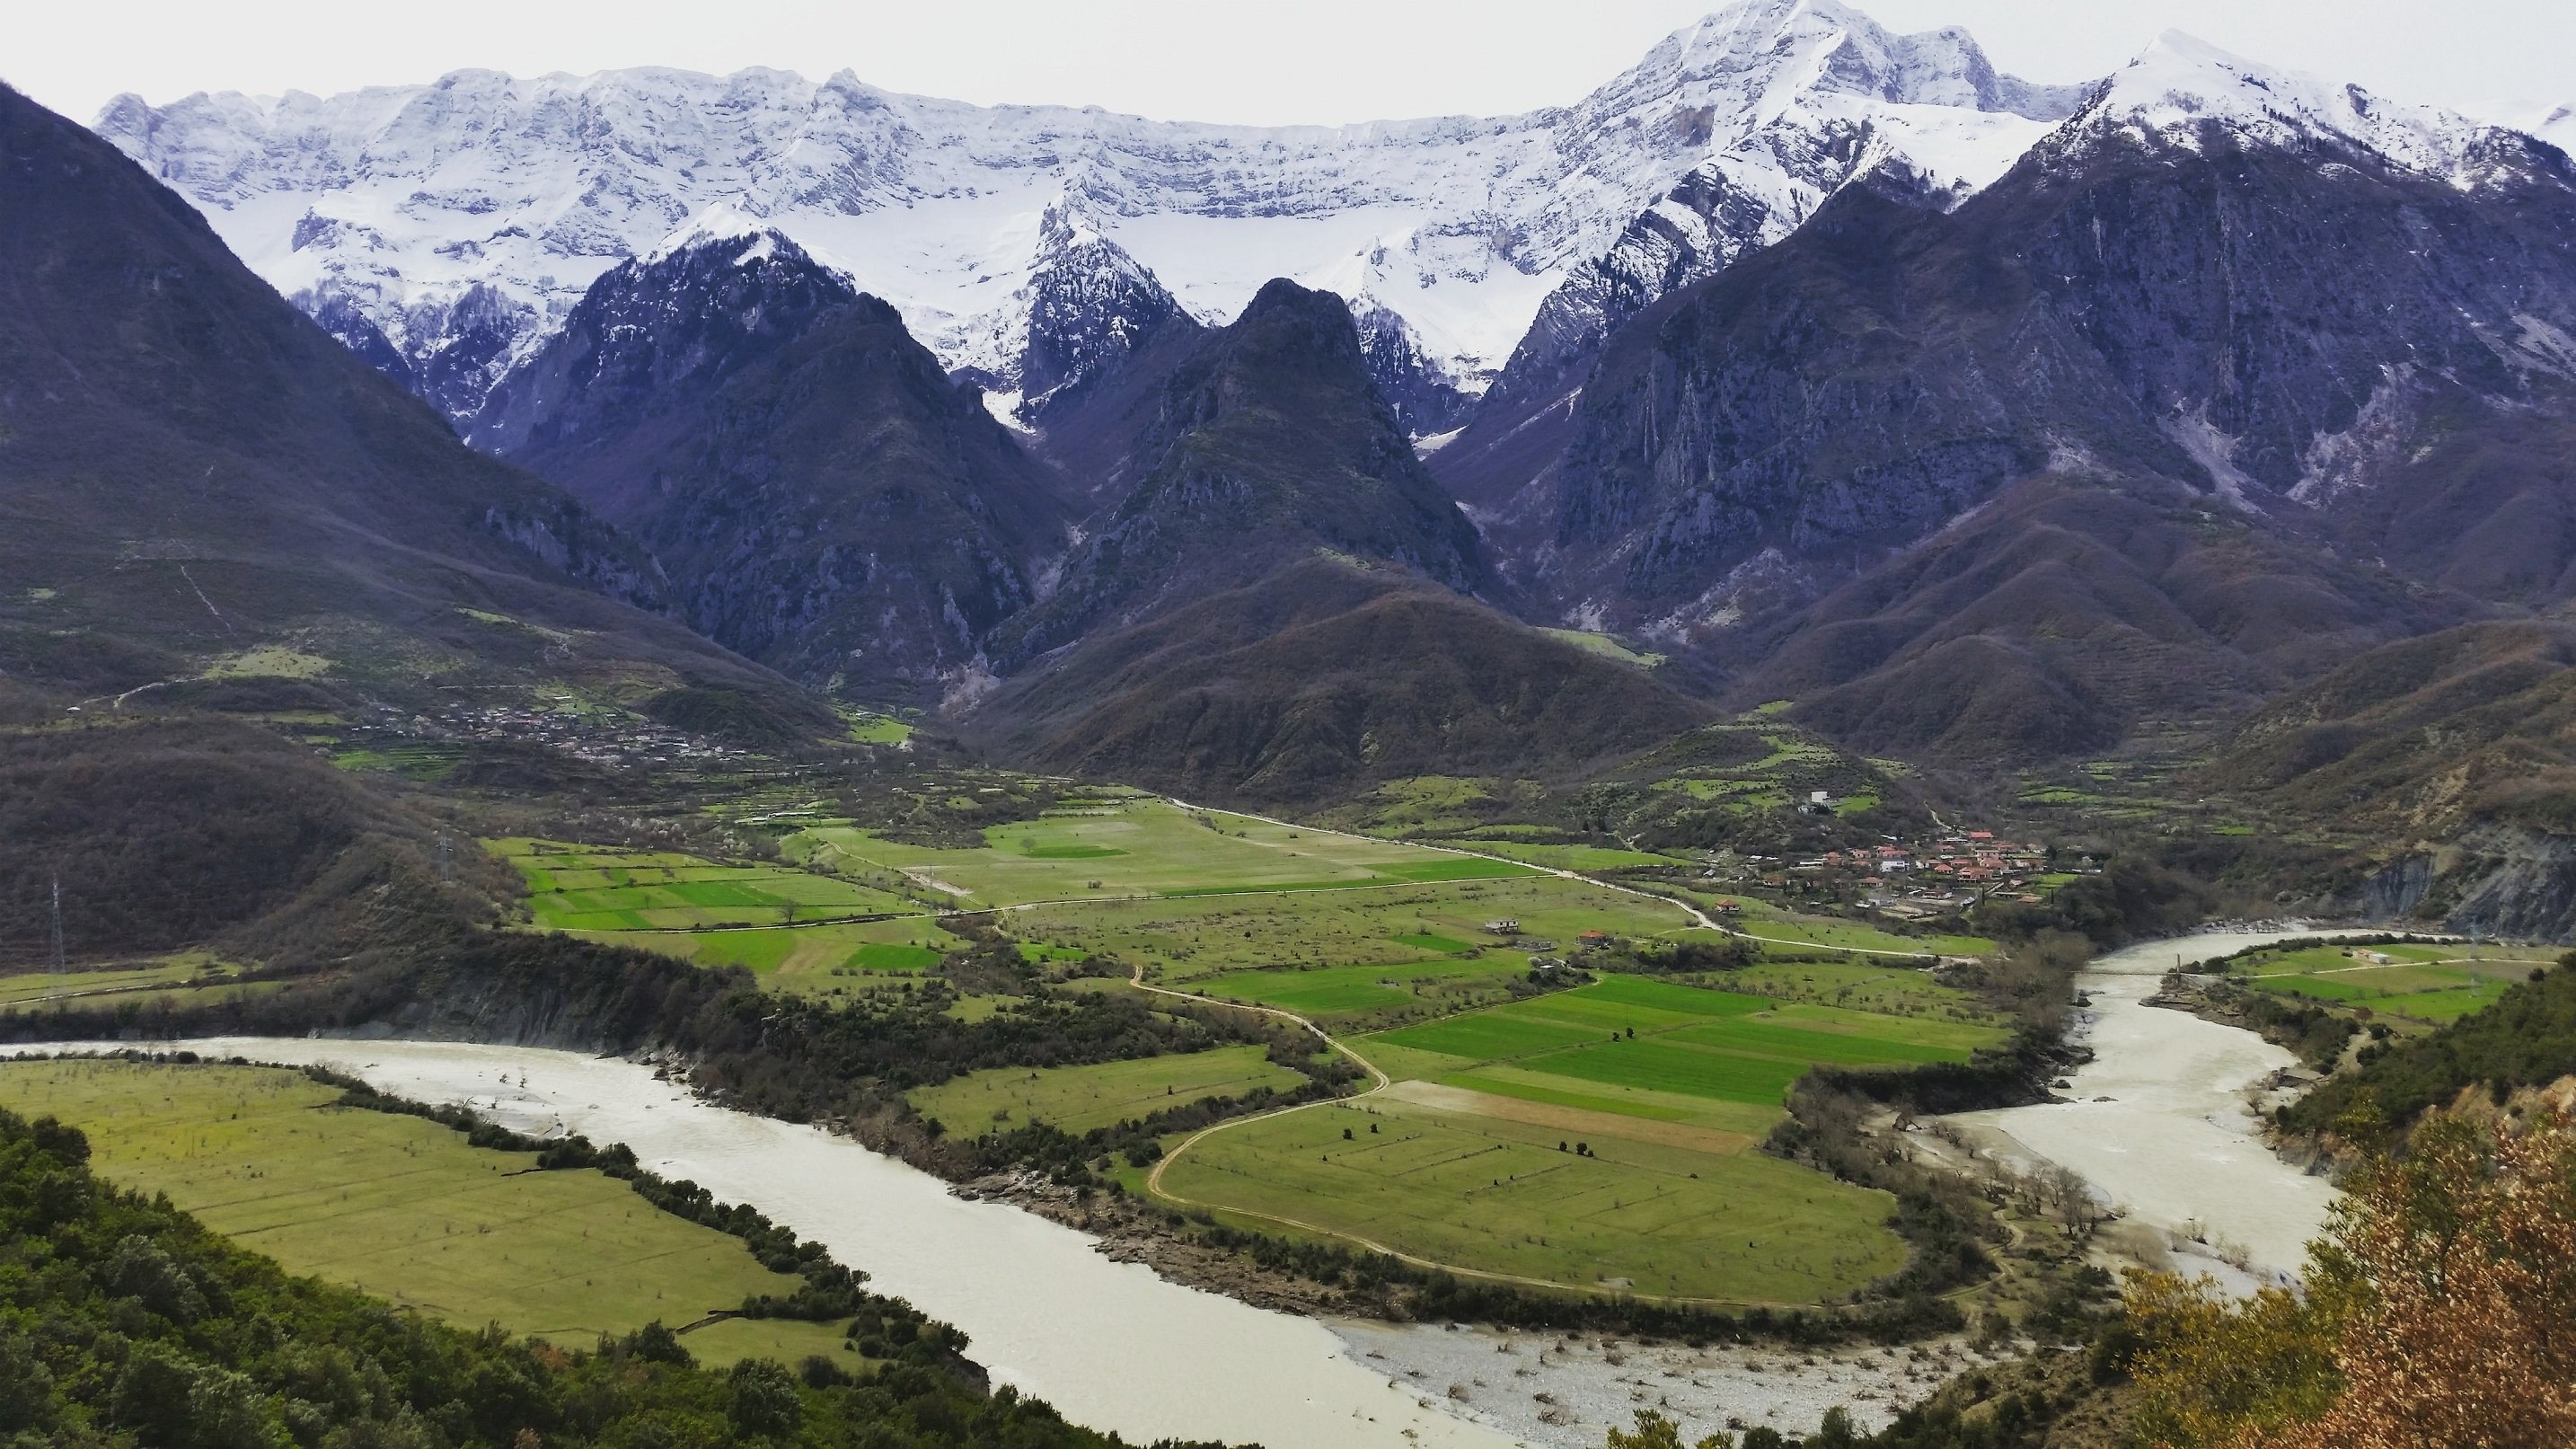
(462, 220)
(2557, 126)
(2180, 87)
(2278, 298)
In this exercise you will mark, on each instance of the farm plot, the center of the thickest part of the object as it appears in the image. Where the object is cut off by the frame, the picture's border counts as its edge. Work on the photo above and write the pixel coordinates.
(1179, 940)
(404, 1209)
(829, 959)
(1591, 1138)
(1513, 1198)
(585, 888)
(1880, 990)
(1348, 992)
(2428, 983)
(1077, 1099)
(1603, 1044)
(1140, 845)
(797, 930)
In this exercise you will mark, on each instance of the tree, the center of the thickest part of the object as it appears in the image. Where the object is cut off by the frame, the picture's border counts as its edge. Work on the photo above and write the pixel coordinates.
(2438, 1313)
(1654, 1431)
(765, 1401)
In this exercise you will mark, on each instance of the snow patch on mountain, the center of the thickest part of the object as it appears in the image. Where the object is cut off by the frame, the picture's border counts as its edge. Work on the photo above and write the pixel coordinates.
(403, 201)
(719, 221)
(2557, 126)
(2180, 85)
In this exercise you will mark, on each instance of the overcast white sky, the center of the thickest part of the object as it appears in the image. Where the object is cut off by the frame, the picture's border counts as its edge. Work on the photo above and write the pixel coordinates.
(1253, 61)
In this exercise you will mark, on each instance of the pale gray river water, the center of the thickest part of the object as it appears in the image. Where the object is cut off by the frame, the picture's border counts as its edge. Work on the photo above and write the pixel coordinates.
(1116, 1347)
(1109, 1344)
(2175, 1146)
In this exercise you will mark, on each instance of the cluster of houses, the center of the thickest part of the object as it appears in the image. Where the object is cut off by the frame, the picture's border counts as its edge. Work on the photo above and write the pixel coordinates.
(1918, 880)
(599, 741)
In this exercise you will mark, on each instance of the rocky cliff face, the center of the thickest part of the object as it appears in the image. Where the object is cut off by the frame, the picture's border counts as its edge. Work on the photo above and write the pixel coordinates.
(1262, 443)
(1090, 307)
(821, 495)
(2176, 284)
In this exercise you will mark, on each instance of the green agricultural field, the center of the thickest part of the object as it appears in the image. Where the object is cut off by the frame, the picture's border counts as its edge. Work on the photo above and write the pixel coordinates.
(1760, 918)
(1357, 991)
(1669, 1086)
(589, 888)
(1140, 846)
(36, 988)
(1688, 1042)
(832, 959)
(1180, 939)
(2432, 1005)
(2428, 983)
(798, 930)
(1574, 857)
(404, 1209)
(1889, 990)
(878, 729)
(1496, 1195)
(1078, 1099)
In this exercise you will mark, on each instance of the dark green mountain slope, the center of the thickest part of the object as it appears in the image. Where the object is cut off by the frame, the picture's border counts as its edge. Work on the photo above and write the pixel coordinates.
(2061, 613)
(1262, 443)
(825, 499)
(190, 470)
(1323, 678)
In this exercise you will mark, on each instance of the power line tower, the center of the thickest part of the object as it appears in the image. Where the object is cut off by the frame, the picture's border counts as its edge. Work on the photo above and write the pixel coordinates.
(446, 861)
(58, 923)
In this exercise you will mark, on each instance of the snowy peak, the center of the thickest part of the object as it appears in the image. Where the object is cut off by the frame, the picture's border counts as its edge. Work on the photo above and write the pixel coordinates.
(518, 193)
(720, 224)
(1088, 305)
(2180, 87)
(718, 295)
(1759, 56)
(2557, 126)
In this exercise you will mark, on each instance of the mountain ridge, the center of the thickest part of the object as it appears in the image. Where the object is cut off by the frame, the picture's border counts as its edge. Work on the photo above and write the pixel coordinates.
(197, 475)
(513, 195)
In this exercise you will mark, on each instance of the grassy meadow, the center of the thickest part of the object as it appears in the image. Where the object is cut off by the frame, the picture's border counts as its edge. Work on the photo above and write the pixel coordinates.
(1077, 1099)
(1446, 1182)
(1597, 1137)
(1130, 844)
(1181, 940)
(2421, 984)
(798, 930)
(402, 1208)
(186, 979)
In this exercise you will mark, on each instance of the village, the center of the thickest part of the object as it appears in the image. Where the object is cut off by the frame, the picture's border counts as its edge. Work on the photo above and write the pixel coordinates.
(595, 738)
(1941, 875)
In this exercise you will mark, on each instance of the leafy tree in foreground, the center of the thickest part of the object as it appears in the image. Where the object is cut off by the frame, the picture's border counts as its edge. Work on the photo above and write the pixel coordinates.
(2438, 1313)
